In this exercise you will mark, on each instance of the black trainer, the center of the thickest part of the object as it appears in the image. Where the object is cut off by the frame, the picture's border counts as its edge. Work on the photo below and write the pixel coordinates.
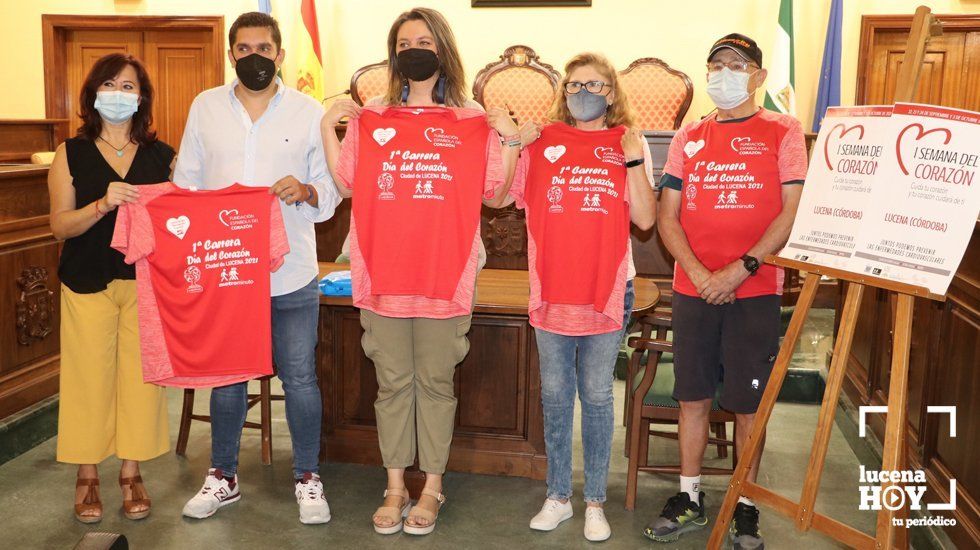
(679, 516)
(744, 529)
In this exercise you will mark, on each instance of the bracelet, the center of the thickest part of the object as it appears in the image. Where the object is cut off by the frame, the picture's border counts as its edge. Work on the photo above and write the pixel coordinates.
(512, 141)
(98, 213)
(632, 163)
(310, 191)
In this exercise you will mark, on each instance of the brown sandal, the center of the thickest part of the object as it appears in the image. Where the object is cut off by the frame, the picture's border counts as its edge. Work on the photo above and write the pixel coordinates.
(90, 502)
(140, 498)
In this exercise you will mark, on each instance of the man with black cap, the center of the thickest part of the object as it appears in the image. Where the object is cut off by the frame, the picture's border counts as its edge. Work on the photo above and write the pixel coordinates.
(730, 190)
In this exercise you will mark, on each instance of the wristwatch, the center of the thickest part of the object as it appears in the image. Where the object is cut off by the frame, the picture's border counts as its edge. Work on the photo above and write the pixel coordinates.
(751, 264)
(632, 163)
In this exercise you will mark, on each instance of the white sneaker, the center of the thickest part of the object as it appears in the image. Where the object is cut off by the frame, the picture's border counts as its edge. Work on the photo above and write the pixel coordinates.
(313, 507)
(217, 492)
(596, 527)
(552, 513)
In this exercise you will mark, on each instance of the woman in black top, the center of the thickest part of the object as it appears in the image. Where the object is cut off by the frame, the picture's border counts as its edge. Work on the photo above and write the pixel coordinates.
(105, 408)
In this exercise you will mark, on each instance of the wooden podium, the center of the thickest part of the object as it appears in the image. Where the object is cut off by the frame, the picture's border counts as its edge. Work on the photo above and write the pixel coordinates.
(802, 513)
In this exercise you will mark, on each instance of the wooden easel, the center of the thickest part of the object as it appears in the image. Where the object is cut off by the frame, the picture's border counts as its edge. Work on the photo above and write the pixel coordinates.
(802, 513)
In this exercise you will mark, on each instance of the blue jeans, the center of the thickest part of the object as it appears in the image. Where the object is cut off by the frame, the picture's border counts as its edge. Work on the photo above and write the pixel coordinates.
(594, 377)
(294, 336)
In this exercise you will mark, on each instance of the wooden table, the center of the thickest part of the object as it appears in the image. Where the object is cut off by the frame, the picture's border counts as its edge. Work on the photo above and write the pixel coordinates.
(498, 419)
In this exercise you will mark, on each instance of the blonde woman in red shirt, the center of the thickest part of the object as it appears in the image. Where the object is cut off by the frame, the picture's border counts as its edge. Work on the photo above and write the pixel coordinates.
(581, 183)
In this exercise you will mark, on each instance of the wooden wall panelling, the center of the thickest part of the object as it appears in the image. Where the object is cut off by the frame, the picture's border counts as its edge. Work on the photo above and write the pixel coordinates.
(29, 291)
(19, 139)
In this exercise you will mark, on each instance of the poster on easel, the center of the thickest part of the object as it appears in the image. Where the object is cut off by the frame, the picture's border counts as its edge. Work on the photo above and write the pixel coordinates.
(843, 167)
(926, 200)
(891, 192)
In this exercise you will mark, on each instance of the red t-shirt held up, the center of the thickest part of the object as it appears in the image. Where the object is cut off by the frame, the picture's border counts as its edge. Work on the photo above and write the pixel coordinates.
(573, 186)
(418, 177)
(203, 260)
(731, 175)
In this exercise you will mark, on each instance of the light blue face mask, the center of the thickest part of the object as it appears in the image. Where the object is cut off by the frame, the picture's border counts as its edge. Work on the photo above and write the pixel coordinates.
(117, 107)
(586, 106)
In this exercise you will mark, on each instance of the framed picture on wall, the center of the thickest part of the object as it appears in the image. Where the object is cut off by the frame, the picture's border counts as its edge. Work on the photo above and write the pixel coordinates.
(529, 3)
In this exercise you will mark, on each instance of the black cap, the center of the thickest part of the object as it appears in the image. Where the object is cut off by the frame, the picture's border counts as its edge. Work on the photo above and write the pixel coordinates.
(741, 44)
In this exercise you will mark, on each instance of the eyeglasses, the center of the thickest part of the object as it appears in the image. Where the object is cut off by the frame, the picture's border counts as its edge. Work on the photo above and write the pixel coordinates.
(593, 87)
(737, 66)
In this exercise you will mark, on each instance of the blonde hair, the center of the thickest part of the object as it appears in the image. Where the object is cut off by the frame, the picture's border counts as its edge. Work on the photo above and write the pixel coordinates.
(619, 112)
(450, 63)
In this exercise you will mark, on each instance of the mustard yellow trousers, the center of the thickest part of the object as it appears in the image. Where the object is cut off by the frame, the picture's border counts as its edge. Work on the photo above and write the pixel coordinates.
(105, 408)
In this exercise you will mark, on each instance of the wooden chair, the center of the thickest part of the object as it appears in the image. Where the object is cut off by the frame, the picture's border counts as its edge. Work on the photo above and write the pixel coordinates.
(651, 403)
(659, 95)
(264, 398)
(369, 81)
(519, 80)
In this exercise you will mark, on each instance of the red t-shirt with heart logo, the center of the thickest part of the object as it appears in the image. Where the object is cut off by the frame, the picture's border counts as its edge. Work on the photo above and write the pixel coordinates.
(203, 260)
(573, 186)
(418, 177)
(731, 175)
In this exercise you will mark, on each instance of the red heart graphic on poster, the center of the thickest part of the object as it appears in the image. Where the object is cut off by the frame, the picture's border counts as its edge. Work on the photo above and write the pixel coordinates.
(844, 131)
(922, 133)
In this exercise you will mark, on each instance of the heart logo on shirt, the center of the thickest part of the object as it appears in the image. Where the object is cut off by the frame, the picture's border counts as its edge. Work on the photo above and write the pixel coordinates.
(178, 226)
(225, 216)
(431, 133)
(691, 148)
(600, 151)
(554, 152)
(383, 135)
(737, 142)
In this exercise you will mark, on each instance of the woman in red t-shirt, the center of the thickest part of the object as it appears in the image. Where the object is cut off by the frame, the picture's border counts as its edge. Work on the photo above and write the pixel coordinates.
(581, 183)
(414, 340)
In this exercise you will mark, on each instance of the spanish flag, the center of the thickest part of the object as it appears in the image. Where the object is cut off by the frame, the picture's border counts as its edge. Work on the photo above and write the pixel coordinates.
(306, 43)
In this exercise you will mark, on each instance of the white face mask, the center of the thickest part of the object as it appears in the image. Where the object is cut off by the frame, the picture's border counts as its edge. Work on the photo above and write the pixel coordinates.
(727, 88)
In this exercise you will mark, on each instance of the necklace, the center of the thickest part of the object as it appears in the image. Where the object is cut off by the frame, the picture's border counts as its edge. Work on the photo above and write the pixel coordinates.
(119, 151)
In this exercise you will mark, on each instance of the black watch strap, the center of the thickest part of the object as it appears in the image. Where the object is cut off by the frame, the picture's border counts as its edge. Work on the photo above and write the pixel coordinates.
(751, 264)
(632, 163)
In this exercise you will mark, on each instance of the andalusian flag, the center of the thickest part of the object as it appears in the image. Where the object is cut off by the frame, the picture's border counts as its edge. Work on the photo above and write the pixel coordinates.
(780, 93)
(306, 46)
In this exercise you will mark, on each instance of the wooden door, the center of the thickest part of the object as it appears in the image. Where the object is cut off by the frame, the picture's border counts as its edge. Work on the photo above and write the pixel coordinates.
(84, 48)
(950, 68)
(183, 56)
(180, 67)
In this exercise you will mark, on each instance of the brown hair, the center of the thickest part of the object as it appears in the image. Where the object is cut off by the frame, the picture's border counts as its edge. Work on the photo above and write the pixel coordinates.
(619, 112)
(255, 19)
(450, 64)
(107, 68)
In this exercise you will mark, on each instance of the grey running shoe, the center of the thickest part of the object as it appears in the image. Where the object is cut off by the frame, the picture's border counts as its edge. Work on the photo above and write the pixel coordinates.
(679, 516)
(744, 529)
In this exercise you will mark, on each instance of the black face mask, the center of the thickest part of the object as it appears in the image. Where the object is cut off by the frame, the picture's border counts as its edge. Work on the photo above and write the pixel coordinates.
(255, 71)
(417, 63)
